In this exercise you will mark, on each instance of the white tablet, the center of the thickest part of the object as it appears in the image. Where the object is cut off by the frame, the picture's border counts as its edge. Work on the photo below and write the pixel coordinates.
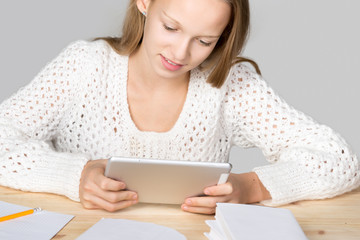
(166, 181)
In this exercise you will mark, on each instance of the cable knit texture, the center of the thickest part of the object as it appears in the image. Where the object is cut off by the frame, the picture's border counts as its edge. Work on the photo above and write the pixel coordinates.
(76, 110)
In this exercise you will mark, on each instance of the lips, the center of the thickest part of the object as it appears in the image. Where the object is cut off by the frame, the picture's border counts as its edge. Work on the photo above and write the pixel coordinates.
(170, 65)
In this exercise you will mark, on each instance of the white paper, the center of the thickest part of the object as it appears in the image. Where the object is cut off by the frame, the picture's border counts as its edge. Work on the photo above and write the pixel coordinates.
(37, 226)
(114, 229)
(251, 222)
(216, 232)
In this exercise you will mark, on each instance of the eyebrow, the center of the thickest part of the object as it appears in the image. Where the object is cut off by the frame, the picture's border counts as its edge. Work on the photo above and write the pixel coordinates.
(181, 25)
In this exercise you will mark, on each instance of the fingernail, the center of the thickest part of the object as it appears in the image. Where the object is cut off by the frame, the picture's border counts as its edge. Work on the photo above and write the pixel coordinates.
(134, 196)
(207, 192)
(185, 207)
(188, 202)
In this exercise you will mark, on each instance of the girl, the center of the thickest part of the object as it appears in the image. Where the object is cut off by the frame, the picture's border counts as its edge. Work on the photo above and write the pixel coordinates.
(172, 87)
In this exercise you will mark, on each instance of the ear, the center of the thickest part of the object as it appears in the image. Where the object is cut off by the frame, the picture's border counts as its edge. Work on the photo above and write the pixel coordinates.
(143, 5)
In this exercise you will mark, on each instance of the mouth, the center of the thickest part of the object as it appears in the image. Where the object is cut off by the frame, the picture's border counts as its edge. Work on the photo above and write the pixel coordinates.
(171, 62)
(170, 65)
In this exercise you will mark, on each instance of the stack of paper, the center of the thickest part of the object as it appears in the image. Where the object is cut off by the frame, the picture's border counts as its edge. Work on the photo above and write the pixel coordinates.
(242, 221)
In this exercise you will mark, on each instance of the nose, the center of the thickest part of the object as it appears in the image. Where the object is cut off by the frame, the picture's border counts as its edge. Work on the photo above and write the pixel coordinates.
(181, 49)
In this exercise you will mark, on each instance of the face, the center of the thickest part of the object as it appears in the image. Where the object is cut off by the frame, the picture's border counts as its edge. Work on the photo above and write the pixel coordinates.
(180, 34)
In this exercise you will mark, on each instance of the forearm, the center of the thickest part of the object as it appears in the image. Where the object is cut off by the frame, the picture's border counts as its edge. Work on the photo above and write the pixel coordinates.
(42, 170)
(249, 187)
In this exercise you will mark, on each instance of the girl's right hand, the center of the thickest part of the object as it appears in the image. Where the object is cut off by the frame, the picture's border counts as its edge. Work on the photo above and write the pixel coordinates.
(99, 192)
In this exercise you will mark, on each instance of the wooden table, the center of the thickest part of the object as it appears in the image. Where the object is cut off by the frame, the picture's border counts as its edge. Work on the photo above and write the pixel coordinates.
(337, 218)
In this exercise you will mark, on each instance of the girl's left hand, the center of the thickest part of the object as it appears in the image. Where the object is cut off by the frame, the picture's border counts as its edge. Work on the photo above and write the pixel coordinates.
(240, 188)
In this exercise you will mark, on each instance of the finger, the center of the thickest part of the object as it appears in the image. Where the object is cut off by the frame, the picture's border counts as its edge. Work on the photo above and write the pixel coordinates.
(111, 196)
(219, 190)
(96, 202)
(92, 188)
(97, 198)
(109, 184)
(202, 201)
(114, 197)
(88, 205)
(202, 210)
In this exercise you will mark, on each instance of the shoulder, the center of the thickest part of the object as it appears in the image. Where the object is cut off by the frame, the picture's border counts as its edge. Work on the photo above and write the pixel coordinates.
(241, 73)
(243, 80)
(93, 48)
(91, 56)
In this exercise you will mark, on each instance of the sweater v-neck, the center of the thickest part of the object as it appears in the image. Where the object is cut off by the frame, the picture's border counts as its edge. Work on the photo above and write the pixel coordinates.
(123, 77)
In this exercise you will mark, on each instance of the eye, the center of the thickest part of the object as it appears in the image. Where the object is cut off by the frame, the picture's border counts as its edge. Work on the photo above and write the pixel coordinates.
(204, 43)
(169, 28)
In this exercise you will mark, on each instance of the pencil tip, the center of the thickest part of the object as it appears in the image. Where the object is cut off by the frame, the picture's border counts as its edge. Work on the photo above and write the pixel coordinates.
(37, 209)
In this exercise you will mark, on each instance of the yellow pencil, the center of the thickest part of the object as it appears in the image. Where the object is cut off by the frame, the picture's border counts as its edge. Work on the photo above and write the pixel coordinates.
(20, 214)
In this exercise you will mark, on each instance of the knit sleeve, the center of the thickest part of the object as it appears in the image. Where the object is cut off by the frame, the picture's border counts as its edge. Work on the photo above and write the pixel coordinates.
(28, 122)
(307, 160)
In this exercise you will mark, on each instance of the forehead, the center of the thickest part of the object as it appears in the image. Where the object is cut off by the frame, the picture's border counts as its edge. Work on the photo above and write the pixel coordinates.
(210, 16)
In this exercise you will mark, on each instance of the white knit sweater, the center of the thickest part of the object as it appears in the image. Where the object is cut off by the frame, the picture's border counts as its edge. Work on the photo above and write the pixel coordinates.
(76, 110)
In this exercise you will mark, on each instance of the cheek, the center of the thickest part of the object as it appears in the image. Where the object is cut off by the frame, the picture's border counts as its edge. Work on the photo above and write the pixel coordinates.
(200, 53)
(152, 34)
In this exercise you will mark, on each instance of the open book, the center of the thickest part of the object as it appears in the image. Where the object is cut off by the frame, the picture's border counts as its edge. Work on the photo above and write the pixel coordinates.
(242, 221)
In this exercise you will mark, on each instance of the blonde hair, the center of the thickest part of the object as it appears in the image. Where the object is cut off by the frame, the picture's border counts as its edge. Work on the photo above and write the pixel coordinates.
(225, 54)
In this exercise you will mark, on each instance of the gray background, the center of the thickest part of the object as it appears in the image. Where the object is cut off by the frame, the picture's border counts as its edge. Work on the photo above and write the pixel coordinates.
(308, 52)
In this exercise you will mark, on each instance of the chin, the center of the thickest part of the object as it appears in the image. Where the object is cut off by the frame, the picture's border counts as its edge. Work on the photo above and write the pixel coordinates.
(170, 75)
(165, 73)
